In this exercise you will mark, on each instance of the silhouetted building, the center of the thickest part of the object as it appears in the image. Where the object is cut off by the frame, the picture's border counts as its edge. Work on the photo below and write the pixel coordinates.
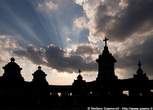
(139, 83)
(39, 77)
(12, 84)
(79, 86)
(12, 73)
(40, 87)
(106, 65)
(105, 90)
(140, 74)
(106, 79)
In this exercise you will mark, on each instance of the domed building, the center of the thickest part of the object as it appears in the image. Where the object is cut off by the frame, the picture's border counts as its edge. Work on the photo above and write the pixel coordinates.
(140, 74)
(106, 62)
(12, 73)
(79, 85)
(139, 83)
(40, 87)
(12, 84)
(39, 77)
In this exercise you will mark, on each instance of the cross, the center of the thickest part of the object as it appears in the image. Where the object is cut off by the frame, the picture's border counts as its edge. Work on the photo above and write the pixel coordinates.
(105, 40)
(79, 71)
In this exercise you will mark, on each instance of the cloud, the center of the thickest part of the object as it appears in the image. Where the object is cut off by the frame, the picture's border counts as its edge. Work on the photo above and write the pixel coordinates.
(137, 52)
(6, 42)
(128, 24)
(48, 6)
(7, 45)
(117, 19)
(137, 18)
(59, 23)
(81, 22)
(99, 15)
(56, 58)
(29, 58)
(32, 53)
(84, 49)
(88, 52)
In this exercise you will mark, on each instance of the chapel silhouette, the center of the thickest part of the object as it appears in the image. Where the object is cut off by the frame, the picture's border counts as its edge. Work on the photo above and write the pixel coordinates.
(105, 90)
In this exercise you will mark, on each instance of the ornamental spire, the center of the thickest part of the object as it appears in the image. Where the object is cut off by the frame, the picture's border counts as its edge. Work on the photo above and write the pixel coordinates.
(105, 40)
(39, 67)
(79, 71)
(139, 64)
(12, 59)
(139, 71)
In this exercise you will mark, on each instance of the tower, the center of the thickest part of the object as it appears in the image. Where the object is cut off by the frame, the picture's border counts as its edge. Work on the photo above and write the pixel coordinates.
(140, 74)
(140, 82)
(12, 73)
(40, 87)
(39, 77)
(79, 85)
(106, 65)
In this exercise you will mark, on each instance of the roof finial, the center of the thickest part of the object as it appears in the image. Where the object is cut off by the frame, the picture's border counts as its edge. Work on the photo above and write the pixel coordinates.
(105, 40)
(12, 59)
(139, 64)
(79, 71)
(39, 67)
(139, 71)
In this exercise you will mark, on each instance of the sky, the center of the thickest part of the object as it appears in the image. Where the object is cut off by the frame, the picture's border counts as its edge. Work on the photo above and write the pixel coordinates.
(66, 35)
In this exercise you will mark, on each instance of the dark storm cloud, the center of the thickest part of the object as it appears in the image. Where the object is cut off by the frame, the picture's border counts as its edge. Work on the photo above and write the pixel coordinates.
(141, 52)
(136, 17)
(119, 20)
(35, 55)
(86, 49)
(55, 57)
(29, 25)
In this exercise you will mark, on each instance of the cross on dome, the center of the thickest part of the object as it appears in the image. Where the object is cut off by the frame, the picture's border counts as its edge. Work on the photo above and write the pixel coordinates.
(105, 40)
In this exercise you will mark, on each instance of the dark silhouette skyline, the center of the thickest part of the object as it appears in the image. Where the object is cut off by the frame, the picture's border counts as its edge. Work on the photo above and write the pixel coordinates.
(105, 90)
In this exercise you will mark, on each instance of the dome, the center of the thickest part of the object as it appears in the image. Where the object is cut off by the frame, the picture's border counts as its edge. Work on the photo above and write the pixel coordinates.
(12, 65)
(39, 72)
(12, 73)
(79, 77)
